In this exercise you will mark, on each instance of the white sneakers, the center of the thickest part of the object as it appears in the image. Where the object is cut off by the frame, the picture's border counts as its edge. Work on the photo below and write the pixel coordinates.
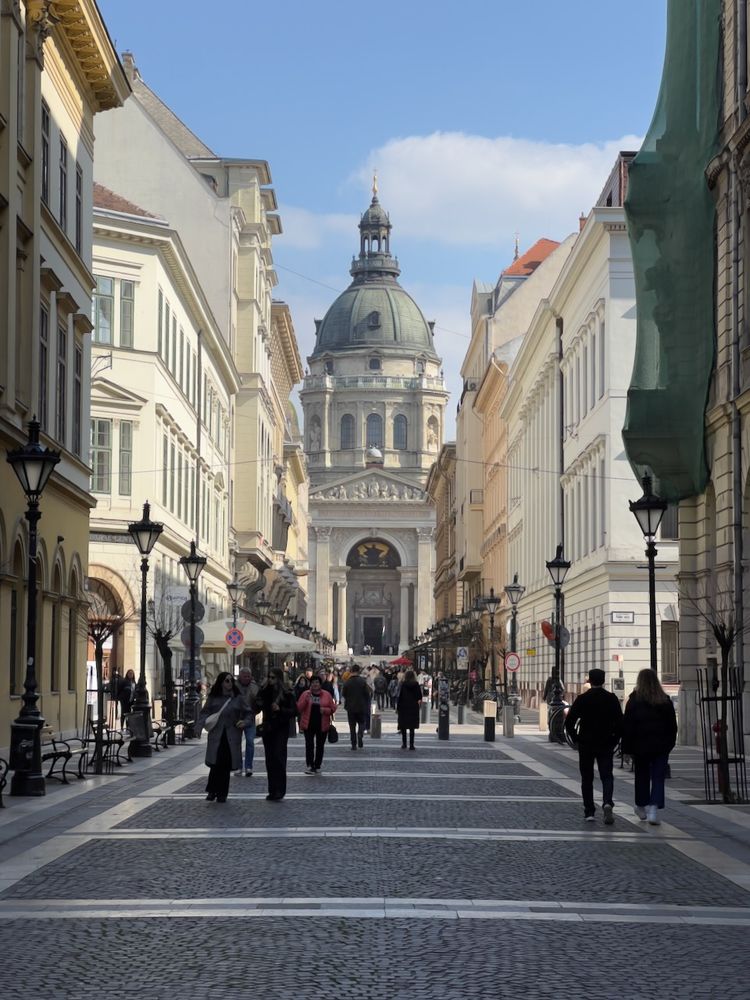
(609, 815)
(640, 812)
(651, 816)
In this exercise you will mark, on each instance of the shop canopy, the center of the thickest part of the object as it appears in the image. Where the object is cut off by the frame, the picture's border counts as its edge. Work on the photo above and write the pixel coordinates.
(257, 637)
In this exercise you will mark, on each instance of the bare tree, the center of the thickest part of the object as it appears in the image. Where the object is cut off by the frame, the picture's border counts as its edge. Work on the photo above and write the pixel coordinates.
(101, 621)
(164, 622)
(718, 613)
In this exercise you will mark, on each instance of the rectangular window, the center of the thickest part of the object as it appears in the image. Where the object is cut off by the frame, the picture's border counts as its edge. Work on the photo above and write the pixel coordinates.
(179, 485)
(43, 367)
(21, 86)
(172, 464)
(127, 297)
(669, 527)
(593, 370)
(61, 399)
(77, 443)
(164, 469)
(103, 309)
(79, 209)
(63, 216)
(585, 381)
(126, 457)
(181, 374)
(13, 651)
(188, 382)
(101, 455)
(602, 359)
(54, 646)
(167, 315)
(159, 316)
(45, 153)
(173, 365)
(602, 503)
(186, 492)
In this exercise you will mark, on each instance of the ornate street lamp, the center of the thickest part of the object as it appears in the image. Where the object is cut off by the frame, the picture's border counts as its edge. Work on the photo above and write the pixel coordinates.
(145, 534)
(558, 570)
(193, 565)
(33, 466)
(515, 592)
(649, 511)
(492, 604)
(235, 590)
(262, 606)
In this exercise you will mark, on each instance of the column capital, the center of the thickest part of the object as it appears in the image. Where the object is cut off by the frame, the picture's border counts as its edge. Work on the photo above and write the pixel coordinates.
(425, 534)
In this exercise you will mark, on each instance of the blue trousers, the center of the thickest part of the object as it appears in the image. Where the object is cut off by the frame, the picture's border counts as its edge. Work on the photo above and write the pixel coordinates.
(649, 772)
(249, 732)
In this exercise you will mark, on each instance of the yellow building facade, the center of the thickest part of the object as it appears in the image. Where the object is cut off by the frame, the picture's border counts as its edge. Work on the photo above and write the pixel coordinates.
(55, 75)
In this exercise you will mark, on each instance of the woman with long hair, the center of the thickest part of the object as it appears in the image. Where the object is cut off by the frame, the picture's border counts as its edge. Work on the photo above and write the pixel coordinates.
(408, 705)
(649, 734)
(276, 702)
(224, 715)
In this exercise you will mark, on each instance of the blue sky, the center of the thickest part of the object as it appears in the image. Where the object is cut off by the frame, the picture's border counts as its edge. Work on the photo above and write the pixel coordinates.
(483, 118)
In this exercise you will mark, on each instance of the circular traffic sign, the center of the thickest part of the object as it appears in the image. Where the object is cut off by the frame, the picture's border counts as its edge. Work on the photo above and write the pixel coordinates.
(234, 638)
(512, 662)
(185, 636)
(199, 611)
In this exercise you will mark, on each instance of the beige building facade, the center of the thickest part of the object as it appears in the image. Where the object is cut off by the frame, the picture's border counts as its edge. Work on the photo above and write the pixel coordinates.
(56, 74)
(441, 489)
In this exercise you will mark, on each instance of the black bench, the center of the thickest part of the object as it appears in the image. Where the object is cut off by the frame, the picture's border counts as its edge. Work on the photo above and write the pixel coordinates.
(163, 730)
(3, 779)
(60, 751)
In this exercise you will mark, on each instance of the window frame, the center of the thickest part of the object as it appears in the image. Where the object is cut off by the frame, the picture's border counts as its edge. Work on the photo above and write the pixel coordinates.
(101, 456)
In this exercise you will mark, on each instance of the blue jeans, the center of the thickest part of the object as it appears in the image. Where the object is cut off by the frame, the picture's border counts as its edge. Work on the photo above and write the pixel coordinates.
(249, 732)
(650, 771)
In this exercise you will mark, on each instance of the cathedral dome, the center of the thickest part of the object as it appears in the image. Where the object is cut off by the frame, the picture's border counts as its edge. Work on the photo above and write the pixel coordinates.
(374, 311)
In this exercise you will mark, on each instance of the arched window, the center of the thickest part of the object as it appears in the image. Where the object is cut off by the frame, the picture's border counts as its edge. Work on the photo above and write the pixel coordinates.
(347, 432)
(399, 433)
(374, 431)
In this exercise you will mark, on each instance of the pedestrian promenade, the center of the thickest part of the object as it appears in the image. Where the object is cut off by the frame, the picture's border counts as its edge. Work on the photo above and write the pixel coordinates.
(462, 869)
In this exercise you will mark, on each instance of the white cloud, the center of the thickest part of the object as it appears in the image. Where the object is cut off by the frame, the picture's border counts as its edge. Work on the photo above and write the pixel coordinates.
(463, 189)
(304, 230)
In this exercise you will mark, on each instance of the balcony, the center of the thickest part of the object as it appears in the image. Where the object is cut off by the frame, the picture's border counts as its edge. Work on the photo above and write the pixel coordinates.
(426, 383)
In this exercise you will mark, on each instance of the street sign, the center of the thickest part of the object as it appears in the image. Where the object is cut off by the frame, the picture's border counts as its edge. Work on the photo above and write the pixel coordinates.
(512, 662)
(531, 651)
(462, 653)
(564, 637)
(185, 636)
(549, 633)
(199, 611)
(548, 630)
(234, 638)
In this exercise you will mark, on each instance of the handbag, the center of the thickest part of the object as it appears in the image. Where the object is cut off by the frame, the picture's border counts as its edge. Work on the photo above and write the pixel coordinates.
(333, 734)
(211, 720)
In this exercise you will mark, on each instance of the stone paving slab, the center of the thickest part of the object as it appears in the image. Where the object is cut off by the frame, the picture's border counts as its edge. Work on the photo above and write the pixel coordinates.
(427, 748)
(371, 784)
(604, 871)
(389, 764)
(350, 957)
(187, 814)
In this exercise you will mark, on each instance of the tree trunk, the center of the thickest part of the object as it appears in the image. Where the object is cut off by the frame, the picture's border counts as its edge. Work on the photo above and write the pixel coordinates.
(162, 644)
(99, 728)
(724, 781)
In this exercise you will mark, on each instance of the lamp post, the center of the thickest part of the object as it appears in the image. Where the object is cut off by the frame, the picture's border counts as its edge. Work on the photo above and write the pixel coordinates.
(492, 604)
(649, 511)
(33, 466)
(515, 592)
(235, 590)
(193, 565)
(558, 570)
(145, 534)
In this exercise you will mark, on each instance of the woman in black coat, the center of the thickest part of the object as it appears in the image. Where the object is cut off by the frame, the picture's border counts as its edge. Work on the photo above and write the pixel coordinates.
(408, 706)
(276, 702)
(649, 734)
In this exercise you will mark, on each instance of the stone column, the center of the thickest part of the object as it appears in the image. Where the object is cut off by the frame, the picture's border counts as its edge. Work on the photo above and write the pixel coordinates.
(325, 430)
(425, 597)
(403, 628)
(342, 645)
(322, 582)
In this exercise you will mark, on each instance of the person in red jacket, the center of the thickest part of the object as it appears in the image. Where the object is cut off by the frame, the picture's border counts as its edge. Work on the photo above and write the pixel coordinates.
(316, 708)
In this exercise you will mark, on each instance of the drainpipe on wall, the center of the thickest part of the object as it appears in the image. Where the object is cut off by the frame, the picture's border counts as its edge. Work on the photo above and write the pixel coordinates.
(199, 397)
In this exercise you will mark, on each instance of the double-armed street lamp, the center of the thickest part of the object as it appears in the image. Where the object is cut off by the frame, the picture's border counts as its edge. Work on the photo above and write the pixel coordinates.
(33, 465)
(193, 565)
(515, 592)
(145, 534)
(558, 570)
(649, 511)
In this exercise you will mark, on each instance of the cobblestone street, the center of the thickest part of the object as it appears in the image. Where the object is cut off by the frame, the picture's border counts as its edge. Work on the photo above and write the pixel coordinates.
(461, 870)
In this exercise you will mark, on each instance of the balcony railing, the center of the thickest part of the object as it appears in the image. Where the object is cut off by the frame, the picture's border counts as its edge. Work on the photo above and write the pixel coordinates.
(428, 382)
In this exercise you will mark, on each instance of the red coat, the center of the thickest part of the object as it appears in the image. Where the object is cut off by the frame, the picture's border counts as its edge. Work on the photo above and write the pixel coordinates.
(327, 708)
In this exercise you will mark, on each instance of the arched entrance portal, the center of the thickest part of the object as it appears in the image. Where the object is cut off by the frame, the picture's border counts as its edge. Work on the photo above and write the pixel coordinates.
(373, 597)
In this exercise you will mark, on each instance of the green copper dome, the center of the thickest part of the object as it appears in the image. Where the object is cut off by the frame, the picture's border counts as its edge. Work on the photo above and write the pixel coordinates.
(374, 311)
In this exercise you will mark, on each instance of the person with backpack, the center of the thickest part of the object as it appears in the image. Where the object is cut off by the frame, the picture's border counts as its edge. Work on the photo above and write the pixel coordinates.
(594, 725)
(381, 688)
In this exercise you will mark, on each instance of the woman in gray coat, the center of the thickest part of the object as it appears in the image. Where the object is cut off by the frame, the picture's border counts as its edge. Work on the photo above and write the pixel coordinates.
(224, 745)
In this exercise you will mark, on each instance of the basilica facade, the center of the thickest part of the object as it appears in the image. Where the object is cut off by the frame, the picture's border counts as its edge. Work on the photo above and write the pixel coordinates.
(374, 405)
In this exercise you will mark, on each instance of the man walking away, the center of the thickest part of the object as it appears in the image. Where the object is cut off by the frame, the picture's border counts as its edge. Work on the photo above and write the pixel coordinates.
(594, 724)
(249, 691)
(357, 703)
(381, 687)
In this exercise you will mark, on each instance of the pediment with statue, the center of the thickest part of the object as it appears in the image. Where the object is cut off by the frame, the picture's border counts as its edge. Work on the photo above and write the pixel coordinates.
(369, 487)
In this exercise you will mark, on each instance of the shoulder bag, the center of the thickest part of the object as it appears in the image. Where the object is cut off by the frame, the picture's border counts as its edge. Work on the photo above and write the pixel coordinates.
(211, 720)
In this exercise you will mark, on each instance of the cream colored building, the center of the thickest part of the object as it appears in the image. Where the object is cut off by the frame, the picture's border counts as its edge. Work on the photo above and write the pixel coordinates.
(163, 388)
(225, 212)
(441, 489)
(569, 482)
(56, 74)
(374, 405)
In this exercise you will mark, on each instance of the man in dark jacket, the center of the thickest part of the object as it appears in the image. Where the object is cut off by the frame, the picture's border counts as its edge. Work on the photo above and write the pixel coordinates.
(356, 692)
(594, 724)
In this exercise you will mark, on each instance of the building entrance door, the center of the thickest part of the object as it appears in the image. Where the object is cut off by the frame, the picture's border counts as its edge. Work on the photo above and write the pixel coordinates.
(372, 633)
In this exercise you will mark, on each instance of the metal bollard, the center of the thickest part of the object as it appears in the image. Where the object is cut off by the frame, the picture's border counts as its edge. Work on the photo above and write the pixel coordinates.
(444, 721)
(490, 709)
(425, 714)
(508, 720)
(376, 725)
(460, 719)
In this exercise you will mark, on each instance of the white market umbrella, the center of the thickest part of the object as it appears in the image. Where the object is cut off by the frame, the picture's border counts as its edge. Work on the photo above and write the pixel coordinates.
(258, 638)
